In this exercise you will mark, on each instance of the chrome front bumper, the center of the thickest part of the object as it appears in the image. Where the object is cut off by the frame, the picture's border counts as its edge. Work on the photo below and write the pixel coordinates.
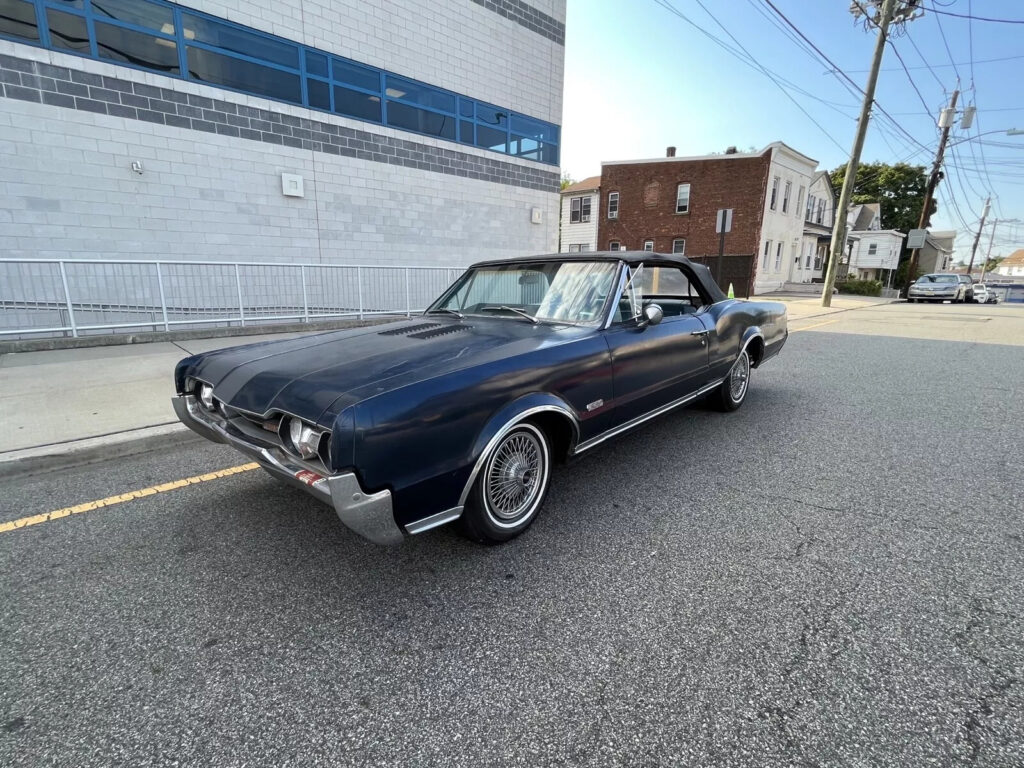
(368, 514)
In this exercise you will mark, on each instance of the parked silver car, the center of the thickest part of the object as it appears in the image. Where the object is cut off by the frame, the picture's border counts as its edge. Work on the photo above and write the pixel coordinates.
(941, 287)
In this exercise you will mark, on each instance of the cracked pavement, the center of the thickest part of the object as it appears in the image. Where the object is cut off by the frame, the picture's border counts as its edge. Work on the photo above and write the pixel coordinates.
(830, 576)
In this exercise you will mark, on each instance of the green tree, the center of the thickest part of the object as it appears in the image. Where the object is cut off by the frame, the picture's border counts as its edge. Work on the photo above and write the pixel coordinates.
(567, 180)
(898, 188)
(992, 263)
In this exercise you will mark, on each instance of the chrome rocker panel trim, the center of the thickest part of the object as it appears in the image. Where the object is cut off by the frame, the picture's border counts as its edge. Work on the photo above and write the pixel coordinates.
(368, 514)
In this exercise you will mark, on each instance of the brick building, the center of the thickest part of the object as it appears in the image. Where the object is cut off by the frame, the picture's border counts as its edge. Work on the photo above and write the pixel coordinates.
(670, 205)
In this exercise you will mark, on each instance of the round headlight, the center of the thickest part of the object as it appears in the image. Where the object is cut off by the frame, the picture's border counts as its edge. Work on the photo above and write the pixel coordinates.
(206, 396)
(303, 438)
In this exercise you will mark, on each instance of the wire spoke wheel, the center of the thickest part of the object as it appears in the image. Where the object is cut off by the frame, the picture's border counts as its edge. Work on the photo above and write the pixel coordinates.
(739, 376)
(515, 477)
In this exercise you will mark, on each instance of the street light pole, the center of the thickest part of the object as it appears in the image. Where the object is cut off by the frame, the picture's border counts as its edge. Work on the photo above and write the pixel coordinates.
(977, 237)
(839, 219)
(933, 181)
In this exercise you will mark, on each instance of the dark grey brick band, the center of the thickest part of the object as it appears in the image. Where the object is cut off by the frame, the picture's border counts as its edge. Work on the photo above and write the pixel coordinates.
(64, 87)
(528, 16)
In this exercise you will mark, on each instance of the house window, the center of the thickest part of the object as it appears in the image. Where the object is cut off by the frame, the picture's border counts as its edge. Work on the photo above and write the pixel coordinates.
(785, 196)
(649, 246)
(767, 254)
(810, 208)
(585, 247)
(817, 259)
(775, 192)
(778, 256)
(679, 245)
(873, 249)
(613, 205)
(579, 210)
(807, 261)
(574, 248)
(821, 212)
(614, 246)
(799, 201)
(683, 198)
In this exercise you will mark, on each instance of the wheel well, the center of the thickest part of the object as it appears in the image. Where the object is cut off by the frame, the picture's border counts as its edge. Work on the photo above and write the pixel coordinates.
(558, 430)
(756, 351)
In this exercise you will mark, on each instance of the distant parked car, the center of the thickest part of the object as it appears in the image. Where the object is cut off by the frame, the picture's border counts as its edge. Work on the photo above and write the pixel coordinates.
(983, 295)
(941, 287)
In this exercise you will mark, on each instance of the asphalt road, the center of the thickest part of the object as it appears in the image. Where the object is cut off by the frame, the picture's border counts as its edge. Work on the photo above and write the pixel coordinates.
(830, 576)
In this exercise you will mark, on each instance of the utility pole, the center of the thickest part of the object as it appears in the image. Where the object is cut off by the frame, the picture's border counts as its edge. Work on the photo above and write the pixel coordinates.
(839, 219)
(946, 120)
(977, 237)
(988, 251)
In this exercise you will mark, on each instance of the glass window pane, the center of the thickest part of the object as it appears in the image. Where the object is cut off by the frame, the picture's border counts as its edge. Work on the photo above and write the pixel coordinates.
(246, 76)
(407, 90)
(549, 153)
(316, 64)
(413, 119)
(466, 108)
(18, 19)
(353, 74)
(238, 40)
(319, 94)
(137, 12)
(490, 115)
(524, 147)
(535, 129)
(136, 48)
(356, 104)
(67, 31)
(490, 138)
(466, 132)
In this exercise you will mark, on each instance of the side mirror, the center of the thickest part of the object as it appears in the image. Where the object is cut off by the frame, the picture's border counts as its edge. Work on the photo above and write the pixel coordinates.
(652, 315)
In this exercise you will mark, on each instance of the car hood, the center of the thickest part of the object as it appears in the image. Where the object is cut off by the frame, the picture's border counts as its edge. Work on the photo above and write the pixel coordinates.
(318, 375)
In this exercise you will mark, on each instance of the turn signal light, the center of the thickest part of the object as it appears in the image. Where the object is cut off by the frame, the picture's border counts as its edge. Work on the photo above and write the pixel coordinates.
(304, 439)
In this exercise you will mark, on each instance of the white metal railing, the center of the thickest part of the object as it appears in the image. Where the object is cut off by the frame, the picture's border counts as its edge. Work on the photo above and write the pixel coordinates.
(75, 297)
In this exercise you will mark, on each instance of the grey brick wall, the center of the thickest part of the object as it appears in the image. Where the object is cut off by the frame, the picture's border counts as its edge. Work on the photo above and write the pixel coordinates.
(527, 16)
(70, 88)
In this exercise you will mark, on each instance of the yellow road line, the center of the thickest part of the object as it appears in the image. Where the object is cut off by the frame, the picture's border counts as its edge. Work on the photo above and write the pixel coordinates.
(818, 325)
(89, 506)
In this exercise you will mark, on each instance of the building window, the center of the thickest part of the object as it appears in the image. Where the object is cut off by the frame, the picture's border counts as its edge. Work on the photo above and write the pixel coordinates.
(171, 40)
(767, 254)
(873, 249)
(775, 193)
(683, 198)
(585, 247)
(613, 205)
(821, 212)
(810, 250)
(810, 208)
(799, 202)
(579, 210)
(574, 248)
(614, 246)
(679, 246)
(817, 259)
(785, 196)
(778, 256)
(649, 246)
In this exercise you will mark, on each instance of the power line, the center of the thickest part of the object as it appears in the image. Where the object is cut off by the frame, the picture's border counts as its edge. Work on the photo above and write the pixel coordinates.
(942, 66)
(976, 18)
(927, 109)
(945, 42)
(928, 65)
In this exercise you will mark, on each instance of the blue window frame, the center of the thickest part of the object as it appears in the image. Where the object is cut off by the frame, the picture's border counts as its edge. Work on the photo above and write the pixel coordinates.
(160, 36)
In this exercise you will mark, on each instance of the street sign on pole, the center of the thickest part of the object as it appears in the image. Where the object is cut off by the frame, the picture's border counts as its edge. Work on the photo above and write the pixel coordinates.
(723, 222)
(916, 237)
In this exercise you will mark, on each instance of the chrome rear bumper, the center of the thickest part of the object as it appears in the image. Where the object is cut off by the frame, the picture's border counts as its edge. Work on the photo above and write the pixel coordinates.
(368, 514)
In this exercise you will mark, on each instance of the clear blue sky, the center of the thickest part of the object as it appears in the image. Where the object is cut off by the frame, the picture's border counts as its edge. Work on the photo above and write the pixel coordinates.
(640, 78)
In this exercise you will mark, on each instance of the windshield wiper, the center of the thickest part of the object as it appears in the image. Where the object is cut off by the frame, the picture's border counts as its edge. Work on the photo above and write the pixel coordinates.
(520, 312)
(444, 309)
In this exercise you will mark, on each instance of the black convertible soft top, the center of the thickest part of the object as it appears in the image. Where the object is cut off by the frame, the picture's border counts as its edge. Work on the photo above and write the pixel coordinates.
(632, 258)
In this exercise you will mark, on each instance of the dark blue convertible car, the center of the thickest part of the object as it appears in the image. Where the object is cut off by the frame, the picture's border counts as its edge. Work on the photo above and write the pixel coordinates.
(459, 413)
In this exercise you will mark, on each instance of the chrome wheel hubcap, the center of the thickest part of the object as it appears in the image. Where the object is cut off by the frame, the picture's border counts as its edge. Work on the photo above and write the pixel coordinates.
(738, 377)
(514, 478)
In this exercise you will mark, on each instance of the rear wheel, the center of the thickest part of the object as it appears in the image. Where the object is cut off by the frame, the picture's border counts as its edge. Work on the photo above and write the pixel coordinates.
(733, 391)
(510, 488)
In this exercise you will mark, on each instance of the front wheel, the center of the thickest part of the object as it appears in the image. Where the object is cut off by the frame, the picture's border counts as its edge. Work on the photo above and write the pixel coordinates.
(733, 391)
(510, 488)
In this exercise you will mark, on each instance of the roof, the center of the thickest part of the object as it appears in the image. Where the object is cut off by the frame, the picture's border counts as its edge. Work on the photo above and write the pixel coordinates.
(732, 156)
(1015, 259)
(587, 184)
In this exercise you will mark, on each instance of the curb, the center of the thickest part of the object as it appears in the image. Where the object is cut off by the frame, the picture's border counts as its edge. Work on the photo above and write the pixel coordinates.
(91, 450)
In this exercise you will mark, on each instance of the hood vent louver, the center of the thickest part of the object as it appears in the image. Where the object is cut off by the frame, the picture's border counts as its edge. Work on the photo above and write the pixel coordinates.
(409, 329)
(441, 331)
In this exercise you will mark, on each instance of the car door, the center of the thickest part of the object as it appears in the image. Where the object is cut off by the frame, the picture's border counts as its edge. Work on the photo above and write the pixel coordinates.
(655, 364)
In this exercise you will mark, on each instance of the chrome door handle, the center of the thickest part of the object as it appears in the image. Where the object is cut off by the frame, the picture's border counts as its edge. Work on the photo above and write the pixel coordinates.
(700, 333)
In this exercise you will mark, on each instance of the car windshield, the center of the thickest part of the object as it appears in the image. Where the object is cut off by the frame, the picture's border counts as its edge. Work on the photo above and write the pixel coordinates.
(938, 279)
(554, 291)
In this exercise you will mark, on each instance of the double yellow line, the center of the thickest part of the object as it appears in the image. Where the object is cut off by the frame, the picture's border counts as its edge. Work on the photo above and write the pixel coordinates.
(89, 506)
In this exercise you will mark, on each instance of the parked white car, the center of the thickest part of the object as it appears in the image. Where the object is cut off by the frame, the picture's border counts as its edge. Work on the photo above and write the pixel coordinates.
(982, 294)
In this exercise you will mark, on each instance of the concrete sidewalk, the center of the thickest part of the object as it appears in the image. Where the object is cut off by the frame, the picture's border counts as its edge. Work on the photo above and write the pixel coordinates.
(59, 401)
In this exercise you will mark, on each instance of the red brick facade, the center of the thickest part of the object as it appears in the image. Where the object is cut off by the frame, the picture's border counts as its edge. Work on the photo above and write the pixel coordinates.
(647, 203)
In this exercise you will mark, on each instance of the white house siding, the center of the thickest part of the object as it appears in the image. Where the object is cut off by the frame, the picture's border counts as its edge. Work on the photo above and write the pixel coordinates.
(583, 234)
(67, 188)
(867, 266)
(779, 227)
